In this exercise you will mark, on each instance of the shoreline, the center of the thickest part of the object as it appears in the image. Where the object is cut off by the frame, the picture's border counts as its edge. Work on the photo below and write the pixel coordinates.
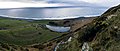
(75, 23)
(34, 19)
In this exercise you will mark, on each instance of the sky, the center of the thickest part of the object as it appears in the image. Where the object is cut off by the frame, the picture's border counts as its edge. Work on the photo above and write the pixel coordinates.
(104, 2)
(44, 3)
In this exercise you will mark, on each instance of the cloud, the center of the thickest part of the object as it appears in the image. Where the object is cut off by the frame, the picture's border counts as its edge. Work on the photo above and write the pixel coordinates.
(107, 3)
(103, 2)
(39, 3)
(23, 4)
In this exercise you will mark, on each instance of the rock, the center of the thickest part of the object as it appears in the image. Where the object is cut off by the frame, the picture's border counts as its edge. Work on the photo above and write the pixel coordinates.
(85, 47)
(115, 27)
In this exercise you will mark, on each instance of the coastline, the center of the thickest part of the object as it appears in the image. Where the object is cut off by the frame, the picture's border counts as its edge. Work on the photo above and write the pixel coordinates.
(65, 18)
(29, 34)
(30, 26)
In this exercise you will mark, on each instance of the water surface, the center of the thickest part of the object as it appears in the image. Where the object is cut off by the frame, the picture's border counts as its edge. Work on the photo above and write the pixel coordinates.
(58, 28)
(52, 13)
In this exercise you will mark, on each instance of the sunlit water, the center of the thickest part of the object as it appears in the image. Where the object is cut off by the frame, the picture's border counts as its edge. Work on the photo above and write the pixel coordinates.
(52, 13)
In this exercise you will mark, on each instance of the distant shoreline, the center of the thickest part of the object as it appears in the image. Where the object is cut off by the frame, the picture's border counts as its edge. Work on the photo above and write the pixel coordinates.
(65, 18)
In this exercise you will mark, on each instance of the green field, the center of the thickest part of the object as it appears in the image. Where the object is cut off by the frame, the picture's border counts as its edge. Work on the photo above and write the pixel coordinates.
(22, 32)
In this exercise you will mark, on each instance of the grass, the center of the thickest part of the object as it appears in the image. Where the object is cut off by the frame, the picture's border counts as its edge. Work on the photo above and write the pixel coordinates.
(21, 32)
(102, 34)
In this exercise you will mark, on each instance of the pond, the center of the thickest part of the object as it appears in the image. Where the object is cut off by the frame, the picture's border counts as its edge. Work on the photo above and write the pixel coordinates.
(58, 28)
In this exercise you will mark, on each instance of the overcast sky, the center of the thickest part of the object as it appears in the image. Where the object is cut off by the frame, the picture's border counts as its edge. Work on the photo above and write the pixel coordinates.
(9, 3)
(104, 2)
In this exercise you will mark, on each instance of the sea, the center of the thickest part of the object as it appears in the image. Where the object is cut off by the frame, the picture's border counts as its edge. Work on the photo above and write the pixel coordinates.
(52, 13)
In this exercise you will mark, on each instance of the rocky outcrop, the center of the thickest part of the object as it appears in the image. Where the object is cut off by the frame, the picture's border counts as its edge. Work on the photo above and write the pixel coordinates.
(99, 34)
(102, 34)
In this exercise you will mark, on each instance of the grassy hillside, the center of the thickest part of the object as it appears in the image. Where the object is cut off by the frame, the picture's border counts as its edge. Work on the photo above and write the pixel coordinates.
(29, 35)
(21, 32)
(102, 34)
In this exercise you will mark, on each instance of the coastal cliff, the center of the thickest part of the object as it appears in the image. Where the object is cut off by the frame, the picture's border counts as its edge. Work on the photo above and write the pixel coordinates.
(93, 34)
(102, 34)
